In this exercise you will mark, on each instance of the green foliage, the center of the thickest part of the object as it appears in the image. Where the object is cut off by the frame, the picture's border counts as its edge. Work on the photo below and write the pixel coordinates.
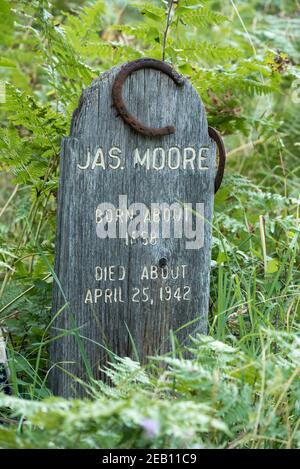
(240, 388)
(220, 397)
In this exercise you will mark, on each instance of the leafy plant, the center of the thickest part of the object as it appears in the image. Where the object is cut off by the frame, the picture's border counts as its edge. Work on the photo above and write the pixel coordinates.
(240, 388)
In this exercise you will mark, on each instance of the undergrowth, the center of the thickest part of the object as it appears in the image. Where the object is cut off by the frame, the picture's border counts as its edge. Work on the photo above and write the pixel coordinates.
(240, 387)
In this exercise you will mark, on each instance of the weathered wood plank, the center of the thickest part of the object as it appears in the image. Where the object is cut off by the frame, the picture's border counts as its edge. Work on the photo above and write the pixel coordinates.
(156, 101)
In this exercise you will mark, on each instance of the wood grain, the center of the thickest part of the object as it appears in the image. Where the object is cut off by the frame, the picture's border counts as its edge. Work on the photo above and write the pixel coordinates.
(156, 101)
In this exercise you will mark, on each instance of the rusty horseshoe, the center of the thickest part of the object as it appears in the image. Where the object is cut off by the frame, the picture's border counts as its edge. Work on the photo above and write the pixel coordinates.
(118, 101)
(129, 119)
(216, 137)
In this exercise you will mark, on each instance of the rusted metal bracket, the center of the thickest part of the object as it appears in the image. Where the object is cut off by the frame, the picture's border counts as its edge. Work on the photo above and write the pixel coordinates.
(129, 119)
(214, 134)
(118, 98)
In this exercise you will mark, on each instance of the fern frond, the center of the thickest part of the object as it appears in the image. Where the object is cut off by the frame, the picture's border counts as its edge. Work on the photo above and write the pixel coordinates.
(199, 17)
(150, 11)
(194, 50)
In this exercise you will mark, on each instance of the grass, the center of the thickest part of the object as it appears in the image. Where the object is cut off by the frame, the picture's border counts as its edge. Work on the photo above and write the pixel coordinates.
(242, 380)
(240, 386)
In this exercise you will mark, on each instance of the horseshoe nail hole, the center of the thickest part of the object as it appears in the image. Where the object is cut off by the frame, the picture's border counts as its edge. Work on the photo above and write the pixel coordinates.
(162, 262)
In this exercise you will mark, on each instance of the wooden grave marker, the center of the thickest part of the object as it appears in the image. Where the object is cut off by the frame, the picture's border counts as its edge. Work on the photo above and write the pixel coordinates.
(132, 250)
